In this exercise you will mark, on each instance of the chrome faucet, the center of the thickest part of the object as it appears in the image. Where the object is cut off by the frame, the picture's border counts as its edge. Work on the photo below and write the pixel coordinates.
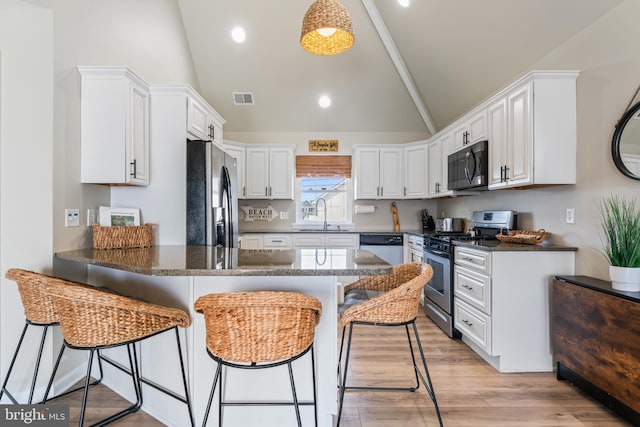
(324, 202)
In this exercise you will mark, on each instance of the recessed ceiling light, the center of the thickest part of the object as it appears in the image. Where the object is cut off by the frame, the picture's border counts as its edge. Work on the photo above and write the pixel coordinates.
(404, 3)
(238, 35)
(324, 101)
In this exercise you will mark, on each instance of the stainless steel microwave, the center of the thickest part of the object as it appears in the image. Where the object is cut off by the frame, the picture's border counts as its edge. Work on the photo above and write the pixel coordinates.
(468, 168)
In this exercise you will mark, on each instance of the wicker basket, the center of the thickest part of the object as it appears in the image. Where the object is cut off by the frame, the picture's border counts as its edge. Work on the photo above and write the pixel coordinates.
(121, 237)
(523, 236)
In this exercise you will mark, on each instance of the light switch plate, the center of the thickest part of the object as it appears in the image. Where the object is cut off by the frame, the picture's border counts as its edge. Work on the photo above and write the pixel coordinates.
(571, 216)
(72, 217)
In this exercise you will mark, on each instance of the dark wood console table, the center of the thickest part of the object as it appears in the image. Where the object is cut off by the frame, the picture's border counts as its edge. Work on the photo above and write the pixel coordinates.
(596, 341)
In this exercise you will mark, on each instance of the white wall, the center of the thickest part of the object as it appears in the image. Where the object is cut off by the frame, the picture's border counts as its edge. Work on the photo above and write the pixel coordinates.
(146, 35)
(607, 55)
(41, 43)
(26, 99)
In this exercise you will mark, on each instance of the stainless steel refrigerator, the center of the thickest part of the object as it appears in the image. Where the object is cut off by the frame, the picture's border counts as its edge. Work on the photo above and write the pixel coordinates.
(212, 198)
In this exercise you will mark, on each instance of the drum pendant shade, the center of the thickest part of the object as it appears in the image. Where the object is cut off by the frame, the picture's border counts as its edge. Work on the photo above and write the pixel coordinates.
(327, 15)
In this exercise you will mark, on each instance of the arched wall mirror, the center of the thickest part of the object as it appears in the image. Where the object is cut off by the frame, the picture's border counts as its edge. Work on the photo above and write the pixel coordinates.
(625, 147)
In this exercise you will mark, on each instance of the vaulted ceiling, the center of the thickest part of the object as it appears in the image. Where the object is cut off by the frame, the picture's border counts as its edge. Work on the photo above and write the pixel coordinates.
(456, 53)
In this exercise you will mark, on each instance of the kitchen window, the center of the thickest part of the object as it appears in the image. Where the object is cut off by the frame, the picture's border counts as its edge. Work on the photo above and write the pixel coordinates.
(323, 190)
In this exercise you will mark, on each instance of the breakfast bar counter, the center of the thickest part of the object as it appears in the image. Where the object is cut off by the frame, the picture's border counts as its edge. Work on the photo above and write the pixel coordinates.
(178, 275)
(179, 260)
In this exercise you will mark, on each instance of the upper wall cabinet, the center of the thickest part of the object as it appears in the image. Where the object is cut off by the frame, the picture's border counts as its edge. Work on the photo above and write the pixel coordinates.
(439, 151)
(532, 131)
(114, 126)
(472, 128)
(237, 151)
(416, 177)
(202, 121)
(270, 172)
(378, 172)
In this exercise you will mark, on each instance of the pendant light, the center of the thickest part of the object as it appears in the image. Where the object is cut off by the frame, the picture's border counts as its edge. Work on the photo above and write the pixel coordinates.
(326, 28)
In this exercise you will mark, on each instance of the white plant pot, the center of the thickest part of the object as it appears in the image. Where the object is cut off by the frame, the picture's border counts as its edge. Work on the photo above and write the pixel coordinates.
(625, 278)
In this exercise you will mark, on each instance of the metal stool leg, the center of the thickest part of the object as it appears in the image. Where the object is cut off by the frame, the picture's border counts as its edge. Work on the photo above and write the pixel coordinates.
(295, 395)
(184, 381)
(213, 390)
(346, 369)
(315, 394)
(13, 361)
(53, 374)
(429, 386)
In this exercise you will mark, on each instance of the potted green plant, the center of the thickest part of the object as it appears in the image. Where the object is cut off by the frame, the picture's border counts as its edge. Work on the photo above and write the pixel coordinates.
(621, 241)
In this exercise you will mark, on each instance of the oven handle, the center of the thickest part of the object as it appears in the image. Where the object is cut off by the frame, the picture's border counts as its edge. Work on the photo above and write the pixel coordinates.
(437, 252)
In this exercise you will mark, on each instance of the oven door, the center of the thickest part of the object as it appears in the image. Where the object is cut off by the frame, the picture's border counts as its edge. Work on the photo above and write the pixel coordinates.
(438, 290)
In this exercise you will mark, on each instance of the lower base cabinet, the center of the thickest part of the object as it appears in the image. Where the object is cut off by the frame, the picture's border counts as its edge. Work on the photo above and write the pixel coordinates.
(501, 304)
(596, 341)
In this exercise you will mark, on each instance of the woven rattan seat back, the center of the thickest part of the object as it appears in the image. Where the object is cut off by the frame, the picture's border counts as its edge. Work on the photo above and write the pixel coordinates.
(401, 298)
(38, 307)
(91, 317)
(258, 326)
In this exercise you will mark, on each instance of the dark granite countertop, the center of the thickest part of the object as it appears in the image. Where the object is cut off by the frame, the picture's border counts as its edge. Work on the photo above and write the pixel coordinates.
(180, 260)
(333, 231)
(497, 245)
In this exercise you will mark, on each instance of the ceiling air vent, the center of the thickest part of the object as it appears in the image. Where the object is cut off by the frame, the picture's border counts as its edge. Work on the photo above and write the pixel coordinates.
(243, 98)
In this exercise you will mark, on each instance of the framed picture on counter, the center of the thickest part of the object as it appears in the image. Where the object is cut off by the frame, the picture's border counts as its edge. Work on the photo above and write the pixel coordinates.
(119, 216)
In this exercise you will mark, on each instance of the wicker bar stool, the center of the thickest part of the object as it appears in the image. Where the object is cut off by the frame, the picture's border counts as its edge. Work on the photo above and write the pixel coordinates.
(93, 319)
(39, 311)
(386, 300)
(258, 330)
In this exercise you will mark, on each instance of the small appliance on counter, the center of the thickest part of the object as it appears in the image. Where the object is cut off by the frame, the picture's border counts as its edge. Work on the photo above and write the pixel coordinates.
(449, 225)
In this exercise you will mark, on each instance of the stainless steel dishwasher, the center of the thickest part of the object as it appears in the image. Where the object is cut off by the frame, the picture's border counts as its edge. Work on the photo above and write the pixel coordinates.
(389, 247)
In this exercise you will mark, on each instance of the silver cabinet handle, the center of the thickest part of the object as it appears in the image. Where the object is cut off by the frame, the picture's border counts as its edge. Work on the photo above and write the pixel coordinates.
(466, 322)
(468, 287)
(266, 191)
(135, 167)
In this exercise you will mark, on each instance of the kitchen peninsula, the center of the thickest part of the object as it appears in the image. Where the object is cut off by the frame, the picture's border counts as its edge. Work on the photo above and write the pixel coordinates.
(178, 275)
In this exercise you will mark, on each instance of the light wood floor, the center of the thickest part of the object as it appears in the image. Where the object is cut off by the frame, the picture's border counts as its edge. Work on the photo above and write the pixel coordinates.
(470, 393)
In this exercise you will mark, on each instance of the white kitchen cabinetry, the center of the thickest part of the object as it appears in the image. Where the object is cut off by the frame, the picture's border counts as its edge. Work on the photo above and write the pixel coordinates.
(416, 179)
(276, 241)
(114, 126)
(415, 251)
(202, 121)
(238, 152)
(532, 131)
(472, 128)
(438, 153)
(251, 241)
(325, 240)
(270, 172)
(501, 304)
(378, 172)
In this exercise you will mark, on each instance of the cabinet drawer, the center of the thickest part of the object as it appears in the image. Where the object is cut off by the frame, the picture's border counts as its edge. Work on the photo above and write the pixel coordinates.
(473, 287)
(473, 324)
(416, 242)
(342, 241)
(308, 241)
(479, 260)
(277, 241)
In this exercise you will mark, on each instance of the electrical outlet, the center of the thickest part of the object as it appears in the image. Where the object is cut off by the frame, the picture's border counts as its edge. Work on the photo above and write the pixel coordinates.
(571, 216)
(72, 217)
(284, 215)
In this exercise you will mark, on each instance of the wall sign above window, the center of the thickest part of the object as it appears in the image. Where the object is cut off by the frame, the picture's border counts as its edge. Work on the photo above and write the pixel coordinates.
(317, 145)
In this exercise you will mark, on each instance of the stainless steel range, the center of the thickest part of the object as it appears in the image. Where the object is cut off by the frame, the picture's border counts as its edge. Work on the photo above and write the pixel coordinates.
(438, 252)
